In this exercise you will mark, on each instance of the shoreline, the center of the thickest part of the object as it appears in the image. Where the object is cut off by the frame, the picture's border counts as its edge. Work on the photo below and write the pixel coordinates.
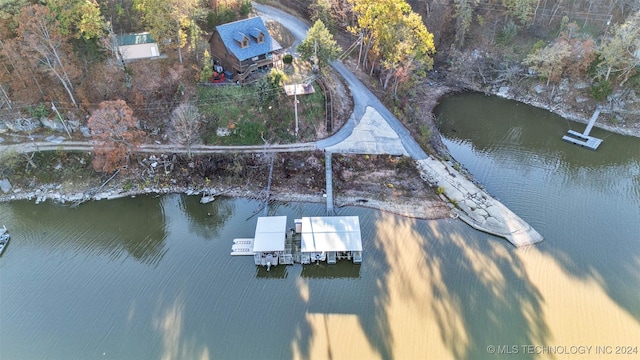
(406, 208)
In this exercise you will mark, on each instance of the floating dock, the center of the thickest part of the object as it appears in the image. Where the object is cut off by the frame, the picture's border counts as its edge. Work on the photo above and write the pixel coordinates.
(314, 239)
(583, 139)
(242, 246)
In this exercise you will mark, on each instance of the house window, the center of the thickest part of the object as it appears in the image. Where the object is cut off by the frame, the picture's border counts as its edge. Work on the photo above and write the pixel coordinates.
(245, 43)
(260, 38)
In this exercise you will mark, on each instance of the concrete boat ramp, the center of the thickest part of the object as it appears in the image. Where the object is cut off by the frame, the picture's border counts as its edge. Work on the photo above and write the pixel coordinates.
(475, 206)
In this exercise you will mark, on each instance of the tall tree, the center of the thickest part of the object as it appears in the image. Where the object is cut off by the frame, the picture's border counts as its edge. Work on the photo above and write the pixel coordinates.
(186, 121)
(523, 10)
(570, 55)
(392, 37)
(620, 52)
(321, 10)
(549, 62)
(79, 18)
(114, 129)
(319, 42)
(207, 67)
(464, 16)
(166, 19)
(45, 46)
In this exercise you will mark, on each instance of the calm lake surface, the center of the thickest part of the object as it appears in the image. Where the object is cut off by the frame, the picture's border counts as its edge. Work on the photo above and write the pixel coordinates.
(152, 278)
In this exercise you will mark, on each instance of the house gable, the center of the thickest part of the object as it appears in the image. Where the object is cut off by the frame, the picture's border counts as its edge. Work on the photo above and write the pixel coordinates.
(241, 39)
(257, 34)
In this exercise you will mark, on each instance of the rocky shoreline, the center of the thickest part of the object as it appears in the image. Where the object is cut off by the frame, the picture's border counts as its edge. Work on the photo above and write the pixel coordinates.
(567, 112)
(53, 192)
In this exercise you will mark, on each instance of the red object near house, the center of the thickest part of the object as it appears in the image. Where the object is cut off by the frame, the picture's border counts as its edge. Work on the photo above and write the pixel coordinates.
(217, 78)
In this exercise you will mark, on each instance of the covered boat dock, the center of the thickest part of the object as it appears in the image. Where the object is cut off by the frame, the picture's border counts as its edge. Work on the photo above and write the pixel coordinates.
(269, 241)
(329, 239)
(315, 239)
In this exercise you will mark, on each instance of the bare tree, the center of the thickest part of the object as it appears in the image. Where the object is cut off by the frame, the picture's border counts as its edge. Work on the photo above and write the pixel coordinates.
(186, 121)
(39, 31)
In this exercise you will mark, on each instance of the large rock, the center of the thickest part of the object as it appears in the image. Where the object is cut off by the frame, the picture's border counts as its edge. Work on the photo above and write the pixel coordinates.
(86, 132)
(53, 124)
(23, 125)
(5, 185)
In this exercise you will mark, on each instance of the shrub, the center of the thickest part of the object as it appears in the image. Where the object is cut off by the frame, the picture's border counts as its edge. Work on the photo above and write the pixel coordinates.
(508, 32)
(537, 46)
(287, 59)
(600, 90)
(38, 111)
(245, 8)
(440, 190)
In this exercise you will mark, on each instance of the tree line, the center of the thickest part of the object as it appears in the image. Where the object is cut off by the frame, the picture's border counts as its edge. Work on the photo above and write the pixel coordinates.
(578, 49)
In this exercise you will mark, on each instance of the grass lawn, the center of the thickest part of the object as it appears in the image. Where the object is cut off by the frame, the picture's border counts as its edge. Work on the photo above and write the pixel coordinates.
(252, 114)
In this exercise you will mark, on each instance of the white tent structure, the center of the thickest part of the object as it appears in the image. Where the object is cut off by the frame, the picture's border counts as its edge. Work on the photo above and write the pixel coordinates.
(330, 238)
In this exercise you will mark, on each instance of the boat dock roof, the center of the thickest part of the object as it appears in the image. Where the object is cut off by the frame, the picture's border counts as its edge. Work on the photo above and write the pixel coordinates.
(270, 234)
(330, 233)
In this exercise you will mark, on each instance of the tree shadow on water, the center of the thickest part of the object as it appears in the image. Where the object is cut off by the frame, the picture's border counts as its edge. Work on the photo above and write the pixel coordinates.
(484, 302)
(444, 279)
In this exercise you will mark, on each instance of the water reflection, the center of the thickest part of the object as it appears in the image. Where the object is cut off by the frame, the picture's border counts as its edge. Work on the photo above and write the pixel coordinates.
(503, 305)
(107, 228)
(170, 324)
(276, 272)
(426, 289)
(516, 134)
(341, 269)
(206, 219)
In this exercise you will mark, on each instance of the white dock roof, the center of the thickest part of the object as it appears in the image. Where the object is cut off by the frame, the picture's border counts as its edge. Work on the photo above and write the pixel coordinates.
(270, 234)
(334, 233)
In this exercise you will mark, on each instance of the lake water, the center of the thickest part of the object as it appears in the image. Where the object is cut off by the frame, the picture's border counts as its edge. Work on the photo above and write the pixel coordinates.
(152, 278)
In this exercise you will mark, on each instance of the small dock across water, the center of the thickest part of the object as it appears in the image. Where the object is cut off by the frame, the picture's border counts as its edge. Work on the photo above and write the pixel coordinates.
(584, 139)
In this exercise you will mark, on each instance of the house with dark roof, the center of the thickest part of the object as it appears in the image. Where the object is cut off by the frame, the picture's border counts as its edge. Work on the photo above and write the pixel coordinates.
(243, 46)
(137, 46)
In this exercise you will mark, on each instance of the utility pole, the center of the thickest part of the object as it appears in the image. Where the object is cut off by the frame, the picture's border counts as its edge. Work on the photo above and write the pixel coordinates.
(295, 105)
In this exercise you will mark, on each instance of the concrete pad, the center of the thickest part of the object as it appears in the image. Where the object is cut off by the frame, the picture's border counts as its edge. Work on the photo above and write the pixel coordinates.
(372, 135)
